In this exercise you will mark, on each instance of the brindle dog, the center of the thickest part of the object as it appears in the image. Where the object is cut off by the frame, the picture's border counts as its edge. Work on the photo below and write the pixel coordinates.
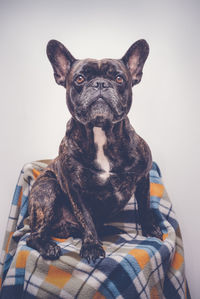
(102, 162)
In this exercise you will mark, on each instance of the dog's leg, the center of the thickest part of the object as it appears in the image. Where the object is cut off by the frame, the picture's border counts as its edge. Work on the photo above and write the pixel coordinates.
(91, 246)
(43, 200)
(146, 217)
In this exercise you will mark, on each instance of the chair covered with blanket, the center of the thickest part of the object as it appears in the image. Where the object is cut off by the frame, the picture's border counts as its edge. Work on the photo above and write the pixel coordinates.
(134, 267)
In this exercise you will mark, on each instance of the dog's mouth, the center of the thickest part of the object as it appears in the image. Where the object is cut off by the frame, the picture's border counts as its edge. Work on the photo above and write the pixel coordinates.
(100, 111)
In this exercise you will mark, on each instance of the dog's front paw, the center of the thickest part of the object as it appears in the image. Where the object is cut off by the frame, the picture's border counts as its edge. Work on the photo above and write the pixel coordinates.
(92, 251)
(47, 248)
(51, 251)
(152, 230)
(150, 225)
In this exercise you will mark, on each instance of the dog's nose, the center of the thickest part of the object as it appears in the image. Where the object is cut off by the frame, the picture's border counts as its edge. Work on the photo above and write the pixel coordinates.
(100, 84)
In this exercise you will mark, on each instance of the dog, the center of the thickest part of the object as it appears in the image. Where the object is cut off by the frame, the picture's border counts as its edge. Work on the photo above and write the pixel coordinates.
(102, 161)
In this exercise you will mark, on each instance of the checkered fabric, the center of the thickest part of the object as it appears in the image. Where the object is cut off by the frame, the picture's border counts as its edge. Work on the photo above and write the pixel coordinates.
(134, 267)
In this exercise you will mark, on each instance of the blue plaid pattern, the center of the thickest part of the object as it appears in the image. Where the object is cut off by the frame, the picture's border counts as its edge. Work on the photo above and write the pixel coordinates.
(134, 267)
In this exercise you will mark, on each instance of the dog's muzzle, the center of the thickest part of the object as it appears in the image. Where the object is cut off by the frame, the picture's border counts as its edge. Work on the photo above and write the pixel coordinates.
(99, 102)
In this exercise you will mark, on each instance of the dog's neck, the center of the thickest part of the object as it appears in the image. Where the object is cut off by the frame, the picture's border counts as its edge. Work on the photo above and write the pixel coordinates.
(88, 136)
(100, 148)
(91, 144)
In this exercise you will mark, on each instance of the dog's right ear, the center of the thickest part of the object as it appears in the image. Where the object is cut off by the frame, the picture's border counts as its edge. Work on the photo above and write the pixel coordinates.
(61, 60)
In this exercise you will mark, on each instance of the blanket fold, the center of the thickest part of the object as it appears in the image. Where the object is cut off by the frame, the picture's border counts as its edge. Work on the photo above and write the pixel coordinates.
(134, 267)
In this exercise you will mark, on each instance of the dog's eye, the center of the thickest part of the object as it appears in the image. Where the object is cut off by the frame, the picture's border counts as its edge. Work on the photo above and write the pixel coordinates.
(80, 79)
(119, 79)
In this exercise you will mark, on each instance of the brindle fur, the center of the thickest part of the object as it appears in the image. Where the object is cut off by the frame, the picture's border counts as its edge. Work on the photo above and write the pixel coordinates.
(69, 198)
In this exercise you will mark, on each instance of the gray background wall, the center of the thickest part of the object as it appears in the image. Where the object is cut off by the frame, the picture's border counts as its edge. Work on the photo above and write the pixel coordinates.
(166, 103)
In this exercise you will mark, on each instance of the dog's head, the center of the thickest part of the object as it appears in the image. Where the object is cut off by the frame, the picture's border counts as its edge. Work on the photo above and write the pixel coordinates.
(98, 91)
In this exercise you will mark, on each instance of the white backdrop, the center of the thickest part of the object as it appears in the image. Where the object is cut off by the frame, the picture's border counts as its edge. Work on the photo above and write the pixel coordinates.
(166, 105)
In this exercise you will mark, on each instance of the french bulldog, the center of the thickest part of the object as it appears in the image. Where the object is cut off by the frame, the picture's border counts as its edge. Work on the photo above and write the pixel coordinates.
(102, 161)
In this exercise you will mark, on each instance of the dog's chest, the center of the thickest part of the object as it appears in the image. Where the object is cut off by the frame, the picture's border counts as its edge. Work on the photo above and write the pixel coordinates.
(101, 160)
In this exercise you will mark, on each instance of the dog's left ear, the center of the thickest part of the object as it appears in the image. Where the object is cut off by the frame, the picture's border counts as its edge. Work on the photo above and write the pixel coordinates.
(135, 58)
(61, 60)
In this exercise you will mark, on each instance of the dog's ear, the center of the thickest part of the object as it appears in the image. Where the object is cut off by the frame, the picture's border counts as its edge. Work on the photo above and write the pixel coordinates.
(61, 60)
(135, 58)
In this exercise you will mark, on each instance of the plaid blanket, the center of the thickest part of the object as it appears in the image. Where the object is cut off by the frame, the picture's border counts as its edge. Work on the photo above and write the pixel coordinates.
(135, 266)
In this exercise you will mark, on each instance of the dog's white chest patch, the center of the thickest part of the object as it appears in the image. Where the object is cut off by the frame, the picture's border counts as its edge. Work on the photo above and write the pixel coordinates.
(100, 140)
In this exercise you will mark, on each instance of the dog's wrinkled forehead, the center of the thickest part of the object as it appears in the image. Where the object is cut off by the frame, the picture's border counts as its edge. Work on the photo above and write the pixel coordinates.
(64, 63)
(91, 68)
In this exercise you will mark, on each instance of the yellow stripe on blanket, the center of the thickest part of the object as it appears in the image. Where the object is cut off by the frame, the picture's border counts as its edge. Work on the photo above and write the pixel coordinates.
(154, 293)
(165, 236)
(177, 261)
(22, 258)
(185, 290)
(8, 241)
(59, 239)
(20, 198)
(98, 295)
(36, 173)
(156, 189)
(141, 256)
(57, 276)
